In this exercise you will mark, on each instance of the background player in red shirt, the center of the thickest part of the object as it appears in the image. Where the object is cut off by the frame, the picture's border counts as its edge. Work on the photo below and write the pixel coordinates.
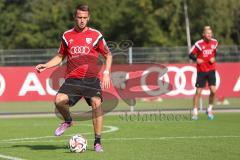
(81, 46)
(204, 53)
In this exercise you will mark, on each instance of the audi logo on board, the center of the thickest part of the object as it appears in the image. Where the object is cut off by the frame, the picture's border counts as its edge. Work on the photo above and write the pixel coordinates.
(179, 81)
(80, 50)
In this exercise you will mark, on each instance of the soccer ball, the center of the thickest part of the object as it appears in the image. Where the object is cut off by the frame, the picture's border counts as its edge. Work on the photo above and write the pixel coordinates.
(78, 144)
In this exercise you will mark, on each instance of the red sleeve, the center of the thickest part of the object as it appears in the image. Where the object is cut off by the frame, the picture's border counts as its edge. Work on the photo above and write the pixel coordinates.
(62, 49)
(214, 52)
(194, 50)
(103, 48)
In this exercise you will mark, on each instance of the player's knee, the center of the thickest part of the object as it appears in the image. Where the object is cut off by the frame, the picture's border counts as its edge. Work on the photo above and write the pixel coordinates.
(61, 99)
(212, 92)
(96, 102)
(198, 93)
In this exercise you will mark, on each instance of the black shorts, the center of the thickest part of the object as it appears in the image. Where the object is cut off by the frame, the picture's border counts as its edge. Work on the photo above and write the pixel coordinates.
(203, 77)
(78, 88)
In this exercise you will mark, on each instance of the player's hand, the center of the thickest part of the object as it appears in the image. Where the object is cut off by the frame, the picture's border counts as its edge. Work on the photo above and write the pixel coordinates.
(199, 61)
(212, 60)
(106, 80)
(41, 67)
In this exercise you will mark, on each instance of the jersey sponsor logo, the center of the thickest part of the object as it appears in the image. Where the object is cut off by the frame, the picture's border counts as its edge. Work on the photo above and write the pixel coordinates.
(207, 52)
(88, 40)
(83, 50)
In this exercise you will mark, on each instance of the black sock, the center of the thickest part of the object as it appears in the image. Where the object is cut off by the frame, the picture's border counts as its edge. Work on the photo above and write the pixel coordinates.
(97, 139)
(68, 120)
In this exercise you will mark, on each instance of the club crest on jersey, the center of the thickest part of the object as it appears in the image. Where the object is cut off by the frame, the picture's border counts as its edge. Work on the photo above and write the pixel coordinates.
(70, 41)
(89, 40)
(212, 46)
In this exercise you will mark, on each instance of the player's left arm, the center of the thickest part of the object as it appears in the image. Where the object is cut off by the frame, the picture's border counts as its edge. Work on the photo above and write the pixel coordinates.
(104, 50)
(106, 73)
(213, 59)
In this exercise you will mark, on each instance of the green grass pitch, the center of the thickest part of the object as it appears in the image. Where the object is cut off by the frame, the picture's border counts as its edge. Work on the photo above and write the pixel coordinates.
(32, 139)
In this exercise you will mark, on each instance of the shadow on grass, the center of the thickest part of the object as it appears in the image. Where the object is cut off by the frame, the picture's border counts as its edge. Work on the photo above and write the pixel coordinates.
(48, 147)
(41, 147)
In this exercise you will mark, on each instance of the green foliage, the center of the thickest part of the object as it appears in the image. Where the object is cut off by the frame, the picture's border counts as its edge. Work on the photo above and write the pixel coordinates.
(40, 23)
(221, 15)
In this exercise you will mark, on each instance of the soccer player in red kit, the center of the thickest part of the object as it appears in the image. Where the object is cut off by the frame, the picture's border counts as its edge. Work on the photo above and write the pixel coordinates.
(81, 46)
(204, 53)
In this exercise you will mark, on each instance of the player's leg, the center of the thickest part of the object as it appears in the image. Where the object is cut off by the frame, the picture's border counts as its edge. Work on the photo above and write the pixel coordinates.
(212, 95)
(97, 119)
(68, 95)
(62, 105)
(196, 98)
(200, 84)
(212, 87)
(93, 96)
(209, 111)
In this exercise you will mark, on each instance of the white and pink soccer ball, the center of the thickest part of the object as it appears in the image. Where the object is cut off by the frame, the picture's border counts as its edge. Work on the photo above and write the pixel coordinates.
(78, 143)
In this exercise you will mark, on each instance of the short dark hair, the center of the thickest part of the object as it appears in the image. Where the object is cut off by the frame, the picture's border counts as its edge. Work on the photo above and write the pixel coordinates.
(82, 7)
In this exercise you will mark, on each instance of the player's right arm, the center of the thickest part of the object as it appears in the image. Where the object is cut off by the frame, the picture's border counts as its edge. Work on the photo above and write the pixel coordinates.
(193, 54)
(56, 60)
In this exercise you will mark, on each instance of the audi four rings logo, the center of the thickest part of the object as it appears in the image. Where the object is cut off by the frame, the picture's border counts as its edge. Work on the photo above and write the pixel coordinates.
(179, 81)
(80, 50)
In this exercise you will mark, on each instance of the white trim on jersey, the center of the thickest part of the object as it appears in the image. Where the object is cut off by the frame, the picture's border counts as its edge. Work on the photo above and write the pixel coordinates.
(214, 39)
(95, 42)
(104, 42)
(70, 30)
(216, 43)
(197, 45)
(200, 41)
(192, 49)
(95, 30)
(65, 40)
(105, 45)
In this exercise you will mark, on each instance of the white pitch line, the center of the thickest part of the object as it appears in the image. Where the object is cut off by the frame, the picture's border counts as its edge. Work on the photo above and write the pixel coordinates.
(110, 129)
(131, 139)
(9, 157)
(167, 138)
(36, 138)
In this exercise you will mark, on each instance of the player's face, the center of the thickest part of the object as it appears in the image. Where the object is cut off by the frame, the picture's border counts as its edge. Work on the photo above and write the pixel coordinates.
(207, 34)
(81, 19)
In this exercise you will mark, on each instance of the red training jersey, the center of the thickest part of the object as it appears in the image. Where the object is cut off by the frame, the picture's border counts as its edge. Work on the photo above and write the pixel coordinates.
(82, 51)
(205, 51)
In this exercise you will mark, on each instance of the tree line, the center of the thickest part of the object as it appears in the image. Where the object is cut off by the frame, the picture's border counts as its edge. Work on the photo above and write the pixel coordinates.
(148, 23)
